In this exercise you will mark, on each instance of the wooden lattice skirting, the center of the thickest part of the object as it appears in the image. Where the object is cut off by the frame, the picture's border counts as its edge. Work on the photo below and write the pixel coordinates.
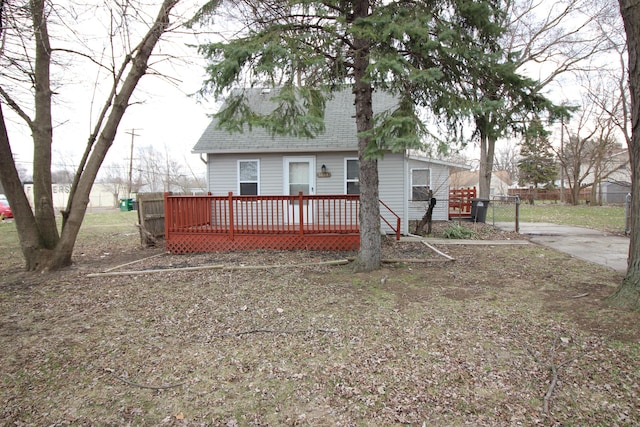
(181, 243)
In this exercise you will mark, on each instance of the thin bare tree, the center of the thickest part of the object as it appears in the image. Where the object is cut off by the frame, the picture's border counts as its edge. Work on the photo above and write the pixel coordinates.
(32, 66)
(547, 41)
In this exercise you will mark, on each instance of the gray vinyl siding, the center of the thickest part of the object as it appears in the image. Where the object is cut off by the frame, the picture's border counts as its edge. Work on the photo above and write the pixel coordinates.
(335, 166)
(392, 189)
(440, 187)
(223, 173)
(394, 177)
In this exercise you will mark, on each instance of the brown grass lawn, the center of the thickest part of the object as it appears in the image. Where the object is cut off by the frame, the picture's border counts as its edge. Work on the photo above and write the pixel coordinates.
(504, 335)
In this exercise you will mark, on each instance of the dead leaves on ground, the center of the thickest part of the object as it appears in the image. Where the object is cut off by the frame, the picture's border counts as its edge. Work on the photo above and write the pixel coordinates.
(317, 345)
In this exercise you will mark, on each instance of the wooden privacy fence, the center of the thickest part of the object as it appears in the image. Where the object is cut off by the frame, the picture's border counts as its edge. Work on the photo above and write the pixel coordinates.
(150, 217)
(227, 223)
(531, 194)
(460, 202)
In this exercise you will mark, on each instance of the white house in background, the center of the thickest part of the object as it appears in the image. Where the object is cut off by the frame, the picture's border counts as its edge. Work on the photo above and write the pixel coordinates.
(255, 163)
(617, 184)
(102, 196)
(616, 177)
(500, 181)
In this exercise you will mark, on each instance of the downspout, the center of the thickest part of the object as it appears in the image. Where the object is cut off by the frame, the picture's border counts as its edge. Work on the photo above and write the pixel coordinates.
(207, 173)
(405, 201)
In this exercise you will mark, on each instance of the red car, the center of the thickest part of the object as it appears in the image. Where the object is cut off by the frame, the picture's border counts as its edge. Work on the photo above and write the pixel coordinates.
(5, 210)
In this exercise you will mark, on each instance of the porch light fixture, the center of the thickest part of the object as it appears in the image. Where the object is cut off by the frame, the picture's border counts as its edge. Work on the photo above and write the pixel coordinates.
(324, 173)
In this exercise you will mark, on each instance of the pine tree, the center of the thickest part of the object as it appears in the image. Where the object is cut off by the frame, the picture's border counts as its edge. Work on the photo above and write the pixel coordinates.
(537, 165)
(426, 53)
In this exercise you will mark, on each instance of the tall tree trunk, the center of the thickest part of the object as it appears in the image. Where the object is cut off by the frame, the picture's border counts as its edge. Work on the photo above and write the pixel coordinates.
(593, 194)
(369, 257)
(25, 222)
(628, 293)
(42, 130)
(487, 152)
(575, 193)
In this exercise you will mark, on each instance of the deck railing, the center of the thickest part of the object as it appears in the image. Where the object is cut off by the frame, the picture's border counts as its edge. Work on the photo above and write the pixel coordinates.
(460, 201)
(383, 215)
(232, 214)
(294, 220)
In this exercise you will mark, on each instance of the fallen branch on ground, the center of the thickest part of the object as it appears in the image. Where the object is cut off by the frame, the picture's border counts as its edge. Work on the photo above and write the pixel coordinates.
(159, 270)
(581, 295)
(133, 262)
(218, 267)
(413, 260)
(439, 252)
(407, 260)
(553, 368)
(554, 379)
(277, 331)
(306, 264)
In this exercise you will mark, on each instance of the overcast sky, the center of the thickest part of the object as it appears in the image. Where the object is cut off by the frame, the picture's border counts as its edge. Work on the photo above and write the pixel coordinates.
(163, 114)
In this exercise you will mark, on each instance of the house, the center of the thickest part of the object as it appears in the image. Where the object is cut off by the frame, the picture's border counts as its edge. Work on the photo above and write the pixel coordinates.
(102, 195)
(615, 177)
(256, 163)
(500, 181)
(614, 192)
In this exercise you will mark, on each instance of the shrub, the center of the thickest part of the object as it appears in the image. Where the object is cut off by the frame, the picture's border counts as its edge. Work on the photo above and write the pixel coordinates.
(458, 231)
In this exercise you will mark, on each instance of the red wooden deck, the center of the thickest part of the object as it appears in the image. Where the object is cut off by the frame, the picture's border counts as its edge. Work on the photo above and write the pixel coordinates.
(460, 202)
(228, 223)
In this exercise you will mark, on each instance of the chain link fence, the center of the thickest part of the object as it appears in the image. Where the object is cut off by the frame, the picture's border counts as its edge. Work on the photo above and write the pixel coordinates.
(505, 212)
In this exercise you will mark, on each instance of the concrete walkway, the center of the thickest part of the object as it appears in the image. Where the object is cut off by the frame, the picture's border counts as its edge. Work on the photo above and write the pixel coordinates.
(590, 245)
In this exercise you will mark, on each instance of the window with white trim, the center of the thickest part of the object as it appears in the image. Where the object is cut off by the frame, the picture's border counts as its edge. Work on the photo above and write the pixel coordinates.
(352, 182)
(420, 184)
(248, 177)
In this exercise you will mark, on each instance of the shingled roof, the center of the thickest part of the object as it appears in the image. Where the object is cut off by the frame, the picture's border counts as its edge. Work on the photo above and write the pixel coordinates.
(339, 135)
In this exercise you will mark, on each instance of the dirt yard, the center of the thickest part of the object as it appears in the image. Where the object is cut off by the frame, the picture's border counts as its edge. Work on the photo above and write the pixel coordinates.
(503, 335)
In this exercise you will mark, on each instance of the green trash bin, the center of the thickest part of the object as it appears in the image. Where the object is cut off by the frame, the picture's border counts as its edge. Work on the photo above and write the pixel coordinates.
(126, 205)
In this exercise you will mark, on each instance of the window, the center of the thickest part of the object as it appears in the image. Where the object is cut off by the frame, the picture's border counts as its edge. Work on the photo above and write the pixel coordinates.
(248, 173)
(420, 184)
(352, 183)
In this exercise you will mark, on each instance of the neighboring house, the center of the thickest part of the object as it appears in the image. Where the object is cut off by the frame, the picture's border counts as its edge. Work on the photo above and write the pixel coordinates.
(614, 167)
(101, 196)
(615, 177)
(255, 163)
(617, 183)
(615, 192)
(500, 181)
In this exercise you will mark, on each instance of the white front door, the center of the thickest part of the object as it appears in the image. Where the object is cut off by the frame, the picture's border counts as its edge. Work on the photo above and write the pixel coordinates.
(299, 175)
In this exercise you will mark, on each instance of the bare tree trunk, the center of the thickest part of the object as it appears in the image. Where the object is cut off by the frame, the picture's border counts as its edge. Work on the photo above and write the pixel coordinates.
(628, 293)
(369, 257)
(593, 194)
(23, 215)
(80, 201)
(42, 130)
(43, 248)
(487, 152)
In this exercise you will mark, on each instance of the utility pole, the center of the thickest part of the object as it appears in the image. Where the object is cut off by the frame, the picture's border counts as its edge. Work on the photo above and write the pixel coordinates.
(133, 134)
(562, 159)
